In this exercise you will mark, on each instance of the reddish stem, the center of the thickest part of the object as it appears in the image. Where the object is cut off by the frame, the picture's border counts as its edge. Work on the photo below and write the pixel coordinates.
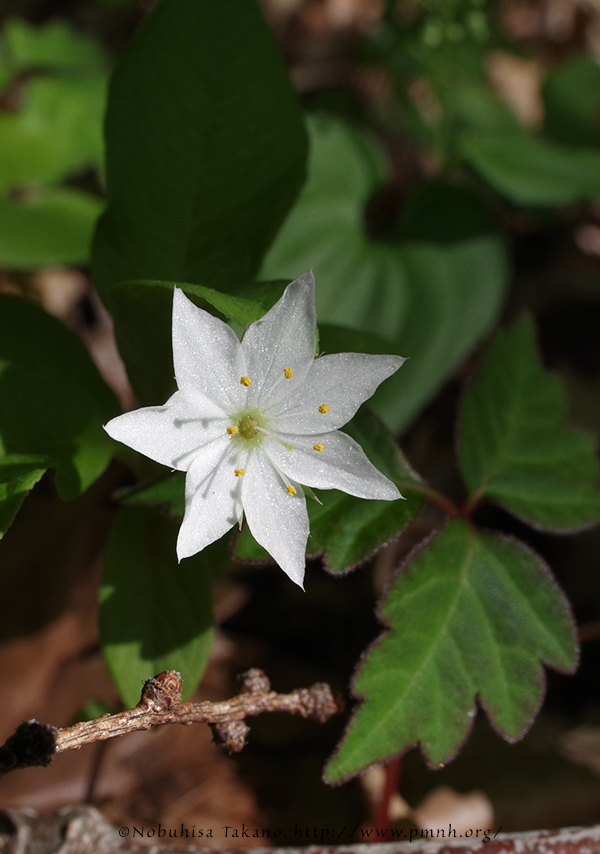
(392, 781)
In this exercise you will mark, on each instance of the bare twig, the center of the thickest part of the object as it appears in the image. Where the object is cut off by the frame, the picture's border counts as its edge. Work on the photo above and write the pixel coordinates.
(34, 743)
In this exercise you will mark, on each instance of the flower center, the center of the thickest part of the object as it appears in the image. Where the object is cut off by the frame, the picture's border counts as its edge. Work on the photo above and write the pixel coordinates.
(247, 427)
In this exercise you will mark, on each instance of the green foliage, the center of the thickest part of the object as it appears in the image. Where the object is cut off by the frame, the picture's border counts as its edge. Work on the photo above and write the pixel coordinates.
(155, 613)
(18, 474)
(532, 171)
(206, 153)
(473, 614)
(53, 132)
(52, 226)
(514, 449)
(431, 297)
(52, 400)
(54, 47)
(571, 94)
(345, 529)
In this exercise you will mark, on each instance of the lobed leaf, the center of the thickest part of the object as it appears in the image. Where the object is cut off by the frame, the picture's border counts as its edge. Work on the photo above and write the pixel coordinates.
(471, 615)
(514, 448)
(53, 402)
(155, 613)
(431, 296)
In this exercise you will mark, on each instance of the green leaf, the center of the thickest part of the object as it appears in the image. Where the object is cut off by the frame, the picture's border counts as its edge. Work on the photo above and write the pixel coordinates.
(571, 93)
(168, 493)
(18, 474)
(48, 227)
(472, 615)
(431, 297)
(141, 308)
(513, 447)
(56, 131)
(155, 613)
(205, 147)
(531, 171)
(55, 46)
(52, 399)
(347, 530)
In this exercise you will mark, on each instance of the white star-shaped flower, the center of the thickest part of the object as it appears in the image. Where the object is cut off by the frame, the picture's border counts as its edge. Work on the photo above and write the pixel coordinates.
(254, 421)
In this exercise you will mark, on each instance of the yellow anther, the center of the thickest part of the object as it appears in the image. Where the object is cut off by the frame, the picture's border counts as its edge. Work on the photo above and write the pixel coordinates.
(291, 490)
(246, 381)
(324, 408)
(232, 430)
(239, 472)
(318, 447)
(287, 373)
(288, 447)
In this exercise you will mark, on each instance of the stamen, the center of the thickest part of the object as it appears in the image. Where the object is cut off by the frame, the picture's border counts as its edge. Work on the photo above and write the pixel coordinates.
(287, 373)
(291, 490)
(245, 381)
(232, 430)
(240, 472)
(276, 438)
(324, 408)
(318, 447)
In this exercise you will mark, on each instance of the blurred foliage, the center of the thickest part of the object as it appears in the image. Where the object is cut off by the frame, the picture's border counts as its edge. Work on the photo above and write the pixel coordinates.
(411, 205)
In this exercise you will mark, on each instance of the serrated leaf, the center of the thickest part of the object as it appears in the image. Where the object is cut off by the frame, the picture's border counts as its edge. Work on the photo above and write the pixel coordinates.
(347, 529)
(53, 226)
(514, 448)
(53, 402)
(534, 171)
(205, 147)
(18, 475)
(431, 297)
(471, 615)
(155, 613)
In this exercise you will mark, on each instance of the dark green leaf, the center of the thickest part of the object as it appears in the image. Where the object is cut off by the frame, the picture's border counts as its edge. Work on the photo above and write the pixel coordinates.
(348, 529)
(571, 94)
(50, 227)
(514, 448)
(205, 147)
(18, 474)
(531, 171)
(472, 615)
(431, 298)
(169, 493)
(155, 613)
(52, 399)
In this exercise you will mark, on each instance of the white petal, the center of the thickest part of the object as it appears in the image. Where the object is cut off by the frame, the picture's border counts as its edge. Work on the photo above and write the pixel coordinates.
(284, 338)
(212, 499)
(277, 520)
(342, 382)
(207, 355)
(341, 465)
(169, 433)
